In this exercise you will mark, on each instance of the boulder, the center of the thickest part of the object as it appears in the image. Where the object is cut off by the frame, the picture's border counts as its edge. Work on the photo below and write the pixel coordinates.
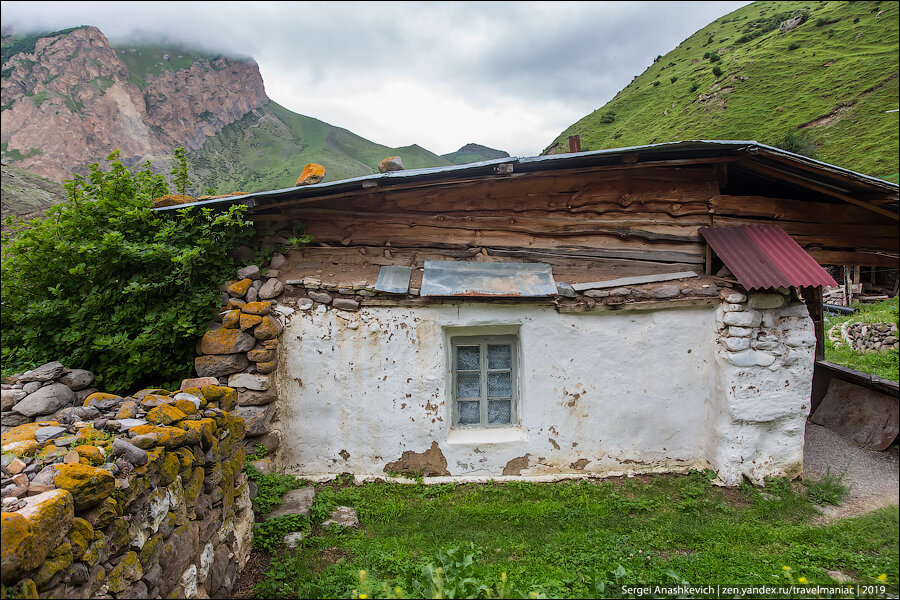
(237, 289)
(257, 419)
(391, 163)
(256, 308)
(88, 485)
(248, 272)
(296, 502)
(45, 401)
(257, 398)
(46, 372)
(268, 329)
(77, 379)
(271, 289)
(8, 398)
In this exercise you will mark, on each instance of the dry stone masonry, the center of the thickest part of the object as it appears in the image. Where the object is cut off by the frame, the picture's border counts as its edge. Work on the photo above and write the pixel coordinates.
(766, 355)
(39, 394)
(869, 337)
(140, 496)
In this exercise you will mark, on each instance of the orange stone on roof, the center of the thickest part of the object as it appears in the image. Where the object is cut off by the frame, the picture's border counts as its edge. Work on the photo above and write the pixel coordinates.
(312, 174)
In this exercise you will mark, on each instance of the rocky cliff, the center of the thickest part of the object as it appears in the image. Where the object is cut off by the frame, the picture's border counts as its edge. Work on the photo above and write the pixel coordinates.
(70, 100)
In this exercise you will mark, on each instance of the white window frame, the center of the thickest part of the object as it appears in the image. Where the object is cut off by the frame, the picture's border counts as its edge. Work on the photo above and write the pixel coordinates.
(483, 341)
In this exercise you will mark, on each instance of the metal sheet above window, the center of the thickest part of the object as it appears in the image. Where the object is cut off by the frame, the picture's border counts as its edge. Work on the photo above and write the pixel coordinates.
(460, 278)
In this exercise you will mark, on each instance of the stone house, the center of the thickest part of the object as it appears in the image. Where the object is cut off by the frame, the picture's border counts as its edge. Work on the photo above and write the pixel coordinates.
(644, 309)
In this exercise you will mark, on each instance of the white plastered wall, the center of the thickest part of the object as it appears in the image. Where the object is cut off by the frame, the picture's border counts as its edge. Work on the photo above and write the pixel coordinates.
(600, 393)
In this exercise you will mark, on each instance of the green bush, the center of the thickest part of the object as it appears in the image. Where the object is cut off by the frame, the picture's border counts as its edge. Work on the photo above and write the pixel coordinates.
(793, 46)
(608, 117)
(714, 57)
(717, 71)
(797, 142)
(673, 79)
(106, 284)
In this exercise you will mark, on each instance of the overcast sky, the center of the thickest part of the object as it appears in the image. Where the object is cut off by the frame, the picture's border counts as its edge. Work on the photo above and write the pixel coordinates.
(509, 75)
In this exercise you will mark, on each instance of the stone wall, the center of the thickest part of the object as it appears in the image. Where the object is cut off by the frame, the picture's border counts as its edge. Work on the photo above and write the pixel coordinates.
(766, 353)
(140, 496)
(240, 348)
(38, 394)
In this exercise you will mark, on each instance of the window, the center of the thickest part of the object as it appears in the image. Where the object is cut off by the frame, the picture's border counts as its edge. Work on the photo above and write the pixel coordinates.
(484, 381)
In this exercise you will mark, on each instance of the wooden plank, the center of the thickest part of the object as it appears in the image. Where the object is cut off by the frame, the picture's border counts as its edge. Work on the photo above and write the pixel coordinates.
(821, 189)
(834, 235)
(788, 209)
(874, 382)
(612, 283)
(849, 257)
(659, 256)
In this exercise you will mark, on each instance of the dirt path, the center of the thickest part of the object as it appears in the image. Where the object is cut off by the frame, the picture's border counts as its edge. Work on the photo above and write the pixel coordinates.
(873, 477)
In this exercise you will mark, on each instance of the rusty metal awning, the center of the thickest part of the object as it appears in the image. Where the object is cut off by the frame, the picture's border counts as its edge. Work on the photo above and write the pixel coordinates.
(765, 256)
(461, 278)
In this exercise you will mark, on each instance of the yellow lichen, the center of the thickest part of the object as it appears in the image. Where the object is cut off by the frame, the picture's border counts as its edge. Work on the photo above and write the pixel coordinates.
(98, 397)
(165, 414)
(24, 432)
(249, 321)
(239, 288)
(21, 448)
(80, 535)
(16, 545)
(256, 308)
(168, 470)
(88, 485)
(172, 200)
(92, 454)
(231, 319)
(312, 174)
(205, 428)
(186, 406)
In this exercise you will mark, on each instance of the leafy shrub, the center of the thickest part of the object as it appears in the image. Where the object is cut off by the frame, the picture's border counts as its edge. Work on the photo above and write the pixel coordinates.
(608, 117)
(673, 79)
(270, 489)
(106, 284)
(797, 142)
(655, 83)
(717, 71)
(793, 46)
(695, 86)
(269, 534)
(713, 58)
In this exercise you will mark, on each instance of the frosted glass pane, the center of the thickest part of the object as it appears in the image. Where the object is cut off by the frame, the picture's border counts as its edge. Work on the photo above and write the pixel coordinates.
(468, 358)
(500, 357)
(499, 411)
(468, 385)
(499, 385)
(469, 412)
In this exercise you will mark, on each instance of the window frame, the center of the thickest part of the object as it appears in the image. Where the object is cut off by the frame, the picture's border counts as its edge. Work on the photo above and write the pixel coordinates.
(483, 341)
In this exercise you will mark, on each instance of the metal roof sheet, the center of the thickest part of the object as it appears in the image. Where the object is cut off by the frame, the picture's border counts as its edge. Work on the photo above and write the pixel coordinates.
(461, 278)
(393, 279)
(765, 256)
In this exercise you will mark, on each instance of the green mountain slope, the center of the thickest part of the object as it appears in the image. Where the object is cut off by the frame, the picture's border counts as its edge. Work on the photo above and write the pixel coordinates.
(27, 195)
(829, 81)
(471, 153)
(268, 147)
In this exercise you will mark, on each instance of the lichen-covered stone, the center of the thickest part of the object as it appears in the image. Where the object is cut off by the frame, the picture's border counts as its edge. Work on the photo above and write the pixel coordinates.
(50, 515)
(88, 485)
(260, 308)
(226, 341)
(231, 319)
(16, 546)
(186, 406)
(91, 556)
(80, 536)
(239, 288)
(225, 396)
(128, 410)
(169, 437)
(125, 573)
(249, 321)
(92, 454)
(60, 558)
(261, 355)
(168, 470)
(219, 365)
(21, 448)
(165, 414)
(103, 514)
(311, 174)
(26, 432)
(267, 367)
(269, 328)
(206, 429)
(391, 163)
(98, 397)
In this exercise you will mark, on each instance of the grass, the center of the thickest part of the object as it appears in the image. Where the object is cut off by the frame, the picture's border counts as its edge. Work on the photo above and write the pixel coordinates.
(883, 364)
(787, 85)
(267, 148)
(144, 60)
(579, 539)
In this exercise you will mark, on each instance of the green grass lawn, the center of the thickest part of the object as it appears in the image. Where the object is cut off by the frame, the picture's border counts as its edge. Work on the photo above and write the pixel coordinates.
(574, 539)
(883, 364)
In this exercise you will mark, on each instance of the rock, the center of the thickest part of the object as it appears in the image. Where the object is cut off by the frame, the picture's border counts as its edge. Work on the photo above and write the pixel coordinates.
(46, 519)
(268, 367)
(296, 502)
(343, 516)
(237, 289)
(82, 395)
(268, 329)
(732, 296)
(323, 297)
(748, 318)
(198, 382)
(249, 380)
(71, 414)
(391, 163)
(231, 319)
(8, 398)
(46, 372)
(311, 174)
(248, 272)
(292, 540)
(248, 322)
(261, 354)
(566, 290)
(77, 379)
(278, 260)
(257, 419)
(271, 289)
(32, 386)
(736, 344)
(665, 291)
(219, 365)
(596, 293)
(45, 434)
(345, 304)
(252, 294)
(88, 485)
(256, 308)
(226, 341)
(45, 401)
(790, 24)
(766, 301)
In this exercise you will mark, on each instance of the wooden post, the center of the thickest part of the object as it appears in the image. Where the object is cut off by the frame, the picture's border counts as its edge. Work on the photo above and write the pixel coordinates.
(848, 285)
(574, 143)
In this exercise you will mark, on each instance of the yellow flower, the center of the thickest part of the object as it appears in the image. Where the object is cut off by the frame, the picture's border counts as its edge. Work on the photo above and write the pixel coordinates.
(503, 576)
(398, 590)
(362, 576)
(882, 577)
(534, 594)
(363, 596)
(785, 568)
(803, 580)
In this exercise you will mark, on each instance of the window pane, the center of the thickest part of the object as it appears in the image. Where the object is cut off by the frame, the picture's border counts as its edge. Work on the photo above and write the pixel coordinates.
(468, 385)
(468, 358)
(499, 385)
(469, 412)
(500, 357)
(499, 411)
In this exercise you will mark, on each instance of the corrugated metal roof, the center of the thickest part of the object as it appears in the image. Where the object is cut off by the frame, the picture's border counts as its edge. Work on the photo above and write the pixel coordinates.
(765, 256)
(461, 278)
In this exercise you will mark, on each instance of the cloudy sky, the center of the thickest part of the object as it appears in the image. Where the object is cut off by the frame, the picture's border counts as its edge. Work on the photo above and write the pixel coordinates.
(510, 75)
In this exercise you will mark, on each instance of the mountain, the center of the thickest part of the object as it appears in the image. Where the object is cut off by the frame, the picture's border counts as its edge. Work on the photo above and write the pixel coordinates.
(70, 97)
(25, 194)
(822, 87)
(471, 153)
